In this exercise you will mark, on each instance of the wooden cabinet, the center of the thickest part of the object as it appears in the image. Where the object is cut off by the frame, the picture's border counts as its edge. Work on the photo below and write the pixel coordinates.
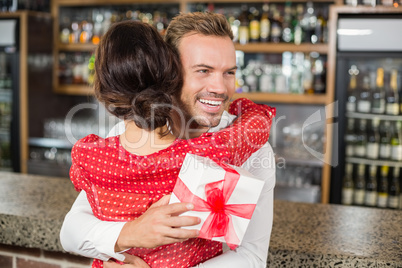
(261, 48)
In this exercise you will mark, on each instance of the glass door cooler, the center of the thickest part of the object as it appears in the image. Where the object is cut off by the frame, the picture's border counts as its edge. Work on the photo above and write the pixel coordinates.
(368, 79)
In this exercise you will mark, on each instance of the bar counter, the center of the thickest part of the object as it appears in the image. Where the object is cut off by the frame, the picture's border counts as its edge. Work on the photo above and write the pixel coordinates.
(32, 209)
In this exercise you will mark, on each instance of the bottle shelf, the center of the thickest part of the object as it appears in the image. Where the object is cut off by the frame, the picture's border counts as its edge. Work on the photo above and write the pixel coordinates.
(79, 90)
(49, 143)
(247, 48)
(337, 2)
(118, 2)
(85, 90)
(281, 47)
(371, 116)
(77, 47)
(283, 98)
(365, 161)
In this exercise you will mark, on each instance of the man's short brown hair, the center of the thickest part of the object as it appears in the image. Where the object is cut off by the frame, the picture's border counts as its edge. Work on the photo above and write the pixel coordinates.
(209, 24)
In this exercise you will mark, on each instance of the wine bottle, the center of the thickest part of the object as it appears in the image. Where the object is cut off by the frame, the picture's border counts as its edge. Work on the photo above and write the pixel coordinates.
(382, 200)
(244, 35)
(309, 22)
(370, 196)
(360, 185)
(396, 142)
(378, 105)
(352, 92)
(373, 139)
(287, 32)
(320, 26)
(394, 189)
(347, 186)
(276, 27)
(265, 24)
(392, 98)
(385, 140)
(350, 138)
(254, 25)
(361, 139)
(364, 96)
(298, 30)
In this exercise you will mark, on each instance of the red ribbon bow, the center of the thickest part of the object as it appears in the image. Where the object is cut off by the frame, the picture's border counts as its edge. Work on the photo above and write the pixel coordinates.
(219, 221)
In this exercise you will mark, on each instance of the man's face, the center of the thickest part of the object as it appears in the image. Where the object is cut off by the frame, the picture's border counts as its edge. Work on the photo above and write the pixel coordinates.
(209, 67)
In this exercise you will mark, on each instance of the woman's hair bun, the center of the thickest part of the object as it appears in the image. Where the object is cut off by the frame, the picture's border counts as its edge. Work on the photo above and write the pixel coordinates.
(151, 108)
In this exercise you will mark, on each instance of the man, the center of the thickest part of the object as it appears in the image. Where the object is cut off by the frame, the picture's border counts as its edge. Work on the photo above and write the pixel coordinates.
(204, 43)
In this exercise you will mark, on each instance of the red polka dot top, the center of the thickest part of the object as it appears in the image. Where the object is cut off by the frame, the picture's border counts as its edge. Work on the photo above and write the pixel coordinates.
(121, 186)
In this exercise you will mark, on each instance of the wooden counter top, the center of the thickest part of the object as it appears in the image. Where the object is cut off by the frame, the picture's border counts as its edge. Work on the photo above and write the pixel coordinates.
(327, 235)
(32, 209)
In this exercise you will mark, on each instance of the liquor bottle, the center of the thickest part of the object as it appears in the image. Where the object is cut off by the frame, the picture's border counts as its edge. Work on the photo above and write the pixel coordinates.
(97, 18)
(287, 32)
(396, 142)
(382, 200)
(309, 23)
(394, 189)
(65, 30)
(244, 35)
(280, 79)
(267, 79)
(352, 92)
(360, 185)
(308, 76)
(373, 139)
(385, 140)
(250, 79)
(364, 96)
(296, 77)
(350, 138)
(348, 185)
(392, 98)
(378, 105)
(254, 25)
(276, 27)
(321, 27)
(265, 24)
(370, 196)
(319, 77)
(298, 35)
(361, 139)
(74, 33)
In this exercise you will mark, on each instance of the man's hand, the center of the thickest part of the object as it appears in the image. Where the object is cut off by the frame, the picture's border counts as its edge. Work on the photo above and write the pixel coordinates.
(129, 262)
(159, 225)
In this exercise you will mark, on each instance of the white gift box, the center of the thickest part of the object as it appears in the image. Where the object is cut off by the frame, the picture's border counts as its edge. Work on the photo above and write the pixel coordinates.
(232, 186)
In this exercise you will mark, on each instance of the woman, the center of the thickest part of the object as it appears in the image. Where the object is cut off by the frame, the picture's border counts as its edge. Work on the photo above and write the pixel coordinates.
(138, 78)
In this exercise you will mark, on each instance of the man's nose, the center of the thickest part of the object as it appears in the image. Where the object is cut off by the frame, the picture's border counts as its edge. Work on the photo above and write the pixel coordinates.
(217, 84)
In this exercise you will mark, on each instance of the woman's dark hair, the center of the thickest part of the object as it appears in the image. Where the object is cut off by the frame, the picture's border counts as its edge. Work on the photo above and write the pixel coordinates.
(137, 75)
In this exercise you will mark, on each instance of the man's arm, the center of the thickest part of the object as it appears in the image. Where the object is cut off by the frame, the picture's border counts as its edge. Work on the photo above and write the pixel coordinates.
(253, 251)
(86, 235)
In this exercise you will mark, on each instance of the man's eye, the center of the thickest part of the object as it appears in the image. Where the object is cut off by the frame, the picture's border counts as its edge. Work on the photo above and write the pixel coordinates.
(204, 71)
(230, 73)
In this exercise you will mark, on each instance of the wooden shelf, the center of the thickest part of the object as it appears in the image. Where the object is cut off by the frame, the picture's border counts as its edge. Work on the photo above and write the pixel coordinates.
(262, 1)
(283, 98)
(77, 47)
(80, 90)
(281, 47)
(117, 2)
(248, 48)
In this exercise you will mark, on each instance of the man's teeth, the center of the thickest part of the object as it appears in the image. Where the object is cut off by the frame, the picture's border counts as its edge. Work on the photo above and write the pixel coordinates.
(211, 102)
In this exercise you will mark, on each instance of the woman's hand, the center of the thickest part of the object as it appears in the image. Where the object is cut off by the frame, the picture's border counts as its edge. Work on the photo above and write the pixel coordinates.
(129, 262)
(159, 225)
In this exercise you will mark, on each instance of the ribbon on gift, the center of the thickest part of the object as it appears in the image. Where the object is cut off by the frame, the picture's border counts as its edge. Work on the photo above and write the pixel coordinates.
(219, 221)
